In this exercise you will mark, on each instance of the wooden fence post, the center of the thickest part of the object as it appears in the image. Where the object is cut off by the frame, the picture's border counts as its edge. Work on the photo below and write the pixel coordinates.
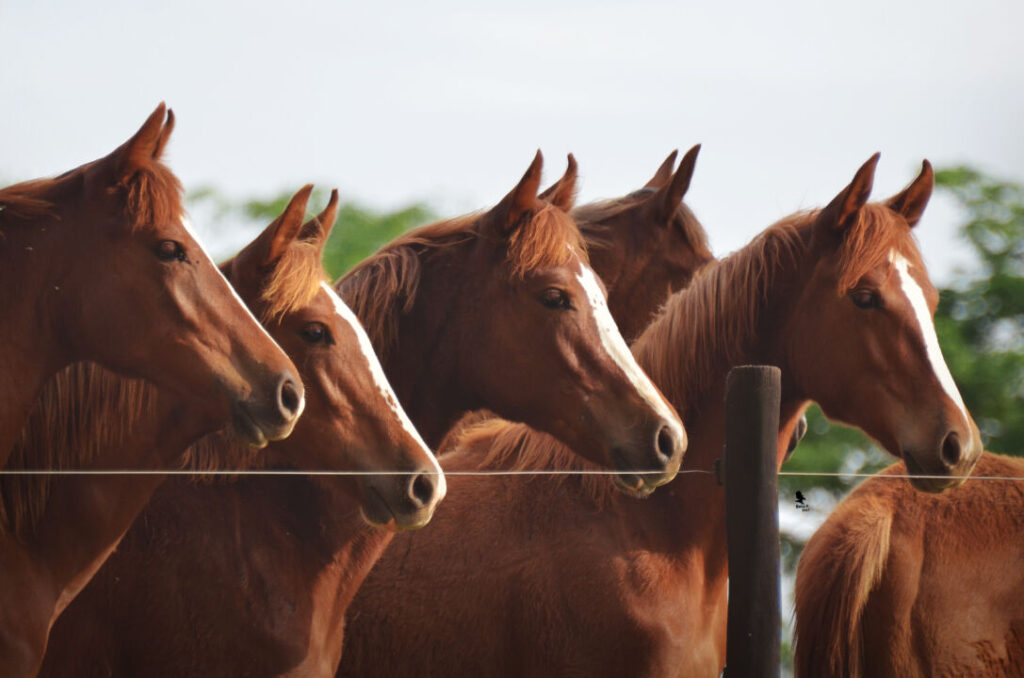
(753, 394)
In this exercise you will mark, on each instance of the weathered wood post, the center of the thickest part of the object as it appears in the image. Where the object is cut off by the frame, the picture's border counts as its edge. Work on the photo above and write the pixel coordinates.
(753, 394)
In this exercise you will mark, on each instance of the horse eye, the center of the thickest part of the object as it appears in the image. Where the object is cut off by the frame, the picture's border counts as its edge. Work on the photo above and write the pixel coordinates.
(866, 299)
(315, 333)
(555, 298)
(170, 250)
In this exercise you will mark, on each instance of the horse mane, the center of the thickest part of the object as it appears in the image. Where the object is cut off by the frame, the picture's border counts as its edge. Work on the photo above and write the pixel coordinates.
(840, 566)
(81, 412)
(151, 194)
(25, 200)
(592, 219)
(484, 441)
(384, 286)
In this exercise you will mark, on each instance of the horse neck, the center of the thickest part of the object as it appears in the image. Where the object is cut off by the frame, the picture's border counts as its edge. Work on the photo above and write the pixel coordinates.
(422, 366)
(29, 296)
(86, 517)
(684, 355)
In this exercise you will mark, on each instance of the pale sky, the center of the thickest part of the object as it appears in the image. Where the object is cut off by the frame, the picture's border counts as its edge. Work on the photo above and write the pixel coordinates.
(446, 102)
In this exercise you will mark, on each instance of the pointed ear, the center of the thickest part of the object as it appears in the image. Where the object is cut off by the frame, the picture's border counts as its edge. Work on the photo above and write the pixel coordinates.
(319, 227)
(271, 244)
(521, 200)
(664, 172)
(842, 212)
(667, 199)
(146, 145)
(914, 198)
(562, 193)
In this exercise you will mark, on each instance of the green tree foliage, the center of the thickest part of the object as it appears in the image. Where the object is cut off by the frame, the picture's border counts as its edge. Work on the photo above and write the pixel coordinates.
(980, 320)
(358, 232)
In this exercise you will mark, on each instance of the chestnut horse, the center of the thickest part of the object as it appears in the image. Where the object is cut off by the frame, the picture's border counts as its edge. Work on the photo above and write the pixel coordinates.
(251, 576)
(646, 245)
(56, 531)
(589, 582)
(98, 264)
(501, 311)
(106, 615)
(899, 583)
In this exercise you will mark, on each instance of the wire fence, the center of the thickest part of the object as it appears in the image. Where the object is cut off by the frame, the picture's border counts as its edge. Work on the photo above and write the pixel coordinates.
(488, 472)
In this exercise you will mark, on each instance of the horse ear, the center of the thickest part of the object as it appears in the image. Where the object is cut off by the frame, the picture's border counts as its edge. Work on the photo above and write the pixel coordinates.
(842, 212)
(562, 193)
(914, 198)
(146, 145)
(271, 244)
(667, 199)
(664, 172)
(319, 227)
(521, 200)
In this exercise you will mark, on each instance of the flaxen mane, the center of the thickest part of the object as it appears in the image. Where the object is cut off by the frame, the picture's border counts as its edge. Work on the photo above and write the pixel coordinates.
(82, 412)
(712, 324)
(384, 286)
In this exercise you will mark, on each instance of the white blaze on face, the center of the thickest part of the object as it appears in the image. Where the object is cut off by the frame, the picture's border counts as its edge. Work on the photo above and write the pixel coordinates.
(383, 385)
(615, 345)
(915, 295)
(187, 225)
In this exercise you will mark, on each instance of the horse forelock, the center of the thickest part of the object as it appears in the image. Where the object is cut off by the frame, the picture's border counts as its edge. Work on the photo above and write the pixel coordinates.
(294, 281)
(81, 413)
(870, 242)
(152, 195)
(542, 243)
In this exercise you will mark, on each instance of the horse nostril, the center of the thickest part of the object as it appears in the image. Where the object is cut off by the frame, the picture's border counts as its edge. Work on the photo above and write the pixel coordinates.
(422, 489)
(951, 449)
(665, 443)
(289, 398)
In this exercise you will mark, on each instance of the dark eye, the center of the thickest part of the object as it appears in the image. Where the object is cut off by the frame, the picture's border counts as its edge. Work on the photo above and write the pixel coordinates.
(555, 298)
(169, 250)
(866, 299)
(316, 333)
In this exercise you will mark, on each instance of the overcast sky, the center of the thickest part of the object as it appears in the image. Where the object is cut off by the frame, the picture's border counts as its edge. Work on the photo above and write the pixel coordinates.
(446, 102)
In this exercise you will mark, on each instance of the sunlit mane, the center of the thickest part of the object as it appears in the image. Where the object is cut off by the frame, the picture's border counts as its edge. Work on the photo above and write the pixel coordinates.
(384, 286)
(511, 446)
(81, 413)
(152, 195)
(294, 281)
